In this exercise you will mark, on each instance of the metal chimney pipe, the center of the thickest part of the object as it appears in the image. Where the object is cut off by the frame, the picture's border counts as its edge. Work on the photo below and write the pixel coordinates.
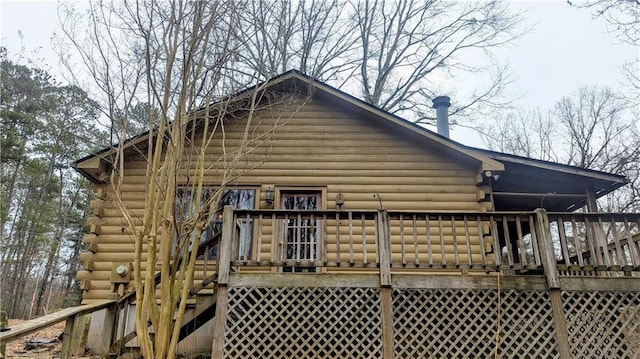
(441, 104)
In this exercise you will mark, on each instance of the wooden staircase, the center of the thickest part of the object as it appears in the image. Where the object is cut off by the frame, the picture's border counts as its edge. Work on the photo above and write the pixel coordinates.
(204, 304)
(202, 300)
(205, 310)
(204, 295)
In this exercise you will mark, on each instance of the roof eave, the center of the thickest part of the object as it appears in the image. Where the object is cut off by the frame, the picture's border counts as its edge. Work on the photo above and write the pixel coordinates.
(598, 175)
(486, 162)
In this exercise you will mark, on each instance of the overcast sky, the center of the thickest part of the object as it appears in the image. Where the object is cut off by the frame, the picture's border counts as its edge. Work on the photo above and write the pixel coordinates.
(565, 50)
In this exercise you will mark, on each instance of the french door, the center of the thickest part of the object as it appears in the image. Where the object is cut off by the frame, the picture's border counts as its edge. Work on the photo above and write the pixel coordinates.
(300, 234)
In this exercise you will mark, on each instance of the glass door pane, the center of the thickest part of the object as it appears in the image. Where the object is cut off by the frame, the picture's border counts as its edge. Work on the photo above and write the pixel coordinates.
(300, 235)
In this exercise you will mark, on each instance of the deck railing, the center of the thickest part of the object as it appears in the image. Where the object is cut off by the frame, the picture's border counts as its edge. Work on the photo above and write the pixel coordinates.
(306, 240)
(596, 241)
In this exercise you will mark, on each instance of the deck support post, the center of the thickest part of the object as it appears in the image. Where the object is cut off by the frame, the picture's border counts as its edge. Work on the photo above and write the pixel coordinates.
(226, 245)
(384, 247)
(600, 243)
(387, 322)
(224, 267)
(545, 245)
(549, 263)
(217, 349)
(67, 338)
(109, 325)
(4, 323)
(562, 335)
(384, 250)
(80, 334)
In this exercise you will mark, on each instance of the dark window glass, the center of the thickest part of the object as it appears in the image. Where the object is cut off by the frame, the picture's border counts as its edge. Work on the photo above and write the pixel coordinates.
(239, 198)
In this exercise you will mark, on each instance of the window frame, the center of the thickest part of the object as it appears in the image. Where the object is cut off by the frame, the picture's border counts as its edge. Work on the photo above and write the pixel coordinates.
(321, 192)
(256, 202)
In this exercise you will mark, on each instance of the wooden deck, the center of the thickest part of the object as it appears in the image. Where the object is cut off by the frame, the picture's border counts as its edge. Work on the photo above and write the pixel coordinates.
(387, 285)
(459, 285)
(320, 315)
(494, 241)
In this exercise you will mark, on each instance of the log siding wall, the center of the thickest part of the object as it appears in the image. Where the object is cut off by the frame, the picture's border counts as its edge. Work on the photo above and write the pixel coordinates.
(322, 144)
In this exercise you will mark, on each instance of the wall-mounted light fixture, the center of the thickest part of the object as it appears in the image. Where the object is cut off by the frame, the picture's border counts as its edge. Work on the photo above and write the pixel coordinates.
(339, 201)
(268, 196)
(490, 174)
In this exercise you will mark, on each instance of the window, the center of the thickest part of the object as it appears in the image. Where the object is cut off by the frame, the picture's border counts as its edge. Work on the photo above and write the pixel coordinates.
(239, 198)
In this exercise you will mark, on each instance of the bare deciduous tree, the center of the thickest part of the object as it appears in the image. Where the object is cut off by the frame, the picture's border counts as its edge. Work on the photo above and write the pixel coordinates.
(592, 128)
(175, 57)
(623, 17)
(529, 134)
(397, 55)
(312, 36)
(408, 47)
(599, 135)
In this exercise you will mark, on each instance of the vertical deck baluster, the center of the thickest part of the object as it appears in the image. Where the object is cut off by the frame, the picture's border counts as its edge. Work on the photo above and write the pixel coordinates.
(563, 241)
(350, 215)
(284, 244)
(622, 259)
(299, 240)
(416, 259)
(534, 242)
(365, 261)
(375, 238)
(603, 241)
(483, 258)
(205, 260)
(403, 250)
(429, 244)
(590, 237)
(633, 250)
(313, 243)
(456, 255)
(325, 239)
(467, 240)
(522, 250)
(259, 245)
(507, 241)
(497, 250)
(576, 242)
(337, 239)
(247, 238)
(442, 251)
(274, 242)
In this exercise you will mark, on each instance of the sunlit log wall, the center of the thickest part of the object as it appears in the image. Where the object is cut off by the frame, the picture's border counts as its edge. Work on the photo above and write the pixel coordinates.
(319, 144)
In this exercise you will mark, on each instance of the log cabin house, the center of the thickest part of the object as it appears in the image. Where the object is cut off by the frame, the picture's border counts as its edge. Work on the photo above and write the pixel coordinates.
(353, 233)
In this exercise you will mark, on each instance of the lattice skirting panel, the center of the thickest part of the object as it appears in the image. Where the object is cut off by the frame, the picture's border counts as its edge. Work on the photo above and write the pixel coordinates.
(457, 323)
(603, 324)
(303, 323)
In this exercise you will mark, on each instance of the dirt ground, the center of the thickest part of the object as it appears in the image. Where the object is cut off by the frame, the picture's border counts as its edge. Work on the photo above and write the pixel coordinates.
(16, 348)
